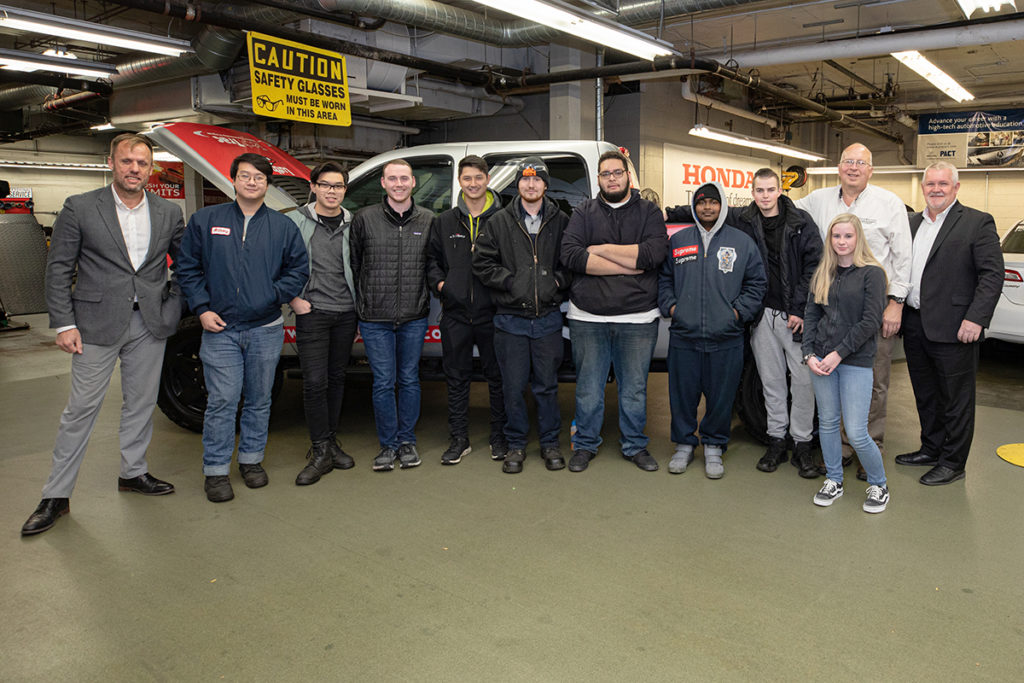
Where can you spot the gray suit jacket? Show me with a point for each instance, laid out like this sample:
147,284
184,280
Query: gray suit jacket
87,237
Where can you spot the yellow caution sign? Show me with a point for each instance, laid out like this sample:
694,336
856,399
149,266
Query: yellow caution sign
1012,453
298,82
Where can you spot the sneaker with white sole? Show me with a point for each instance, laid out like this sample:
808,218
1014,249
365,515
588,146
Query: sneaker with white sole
681,459
713,468
407,456
458,447
385,460
878,498
830,490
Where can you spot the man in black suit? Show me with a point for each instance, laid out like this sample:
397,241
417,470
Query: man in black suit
956,278
109,297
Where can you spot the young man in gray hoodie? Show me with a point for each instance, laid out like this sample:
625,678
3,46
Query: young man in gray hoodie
325,318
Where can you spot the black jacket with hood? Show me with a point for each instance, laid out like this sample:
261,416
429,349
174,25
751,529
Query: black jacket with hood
526,277
450,260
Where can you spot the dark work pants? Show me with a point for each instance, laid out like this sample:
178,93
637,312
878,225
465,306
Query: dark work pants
535,362
324,342
457,341
943,376
716,374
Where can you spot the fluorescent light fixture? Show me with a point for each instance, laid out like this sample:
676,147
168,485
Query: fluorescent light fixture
934,75
702,131
42,166
17,60
102,126
969,7
75,29
583,25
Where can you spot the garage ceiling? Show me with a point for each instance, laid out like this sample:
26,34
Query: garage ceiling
833,51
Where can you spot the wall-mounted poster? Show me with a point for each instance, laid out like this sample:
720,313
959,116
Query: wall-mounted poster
972,139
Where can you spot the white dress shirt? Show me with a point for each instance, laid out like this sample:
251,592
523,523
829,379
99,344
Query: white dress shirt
923,241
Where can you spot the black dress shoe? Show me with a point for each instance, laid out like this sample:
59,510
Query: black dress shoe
939,475
45,515
644,461
917,458
146,485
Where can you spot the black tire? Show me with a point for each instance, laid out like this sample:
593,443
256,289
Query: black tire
182,395
750,403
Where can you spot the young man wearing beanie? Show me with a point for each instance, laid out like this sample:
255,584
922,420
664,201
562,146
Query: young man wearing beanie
711,285
467,313
517,257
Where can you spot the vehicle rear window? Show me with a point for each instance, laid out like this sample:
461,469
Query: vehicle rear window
569,186
1013,243
433,191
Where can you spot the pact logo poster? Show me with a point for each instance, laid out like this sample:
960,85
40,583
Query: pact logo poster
298,82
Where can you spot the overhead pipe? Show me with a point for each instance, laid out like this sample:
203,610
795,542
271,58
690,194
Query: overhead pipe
506,83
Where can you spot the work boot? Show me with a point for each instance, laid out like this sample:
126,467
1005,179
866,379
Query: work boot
342,460
774,456
804,461
320,461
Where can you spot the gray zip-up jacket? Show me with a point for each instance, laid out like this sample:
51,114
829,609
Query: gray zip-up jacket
305,217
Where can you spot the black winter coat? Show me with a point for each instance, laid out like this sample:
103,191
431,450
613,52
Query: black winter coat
389,262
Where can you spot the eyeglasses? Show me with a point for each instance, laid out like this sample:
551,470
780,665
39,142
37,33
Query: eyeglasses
259,178
854,162
617,173
327,186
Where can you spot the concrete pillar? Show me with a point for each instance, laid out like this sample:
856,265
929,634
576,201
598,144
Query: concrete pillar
571,110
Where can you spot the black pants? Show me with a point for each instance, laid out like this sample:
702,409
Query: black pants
943,376
324,342
457,341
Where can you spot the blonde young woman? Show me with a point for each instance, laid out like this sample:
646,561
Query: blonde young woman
843,316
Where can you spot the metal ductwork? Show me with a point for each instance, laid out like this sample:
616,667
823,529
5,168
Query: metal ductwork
494,30
24,95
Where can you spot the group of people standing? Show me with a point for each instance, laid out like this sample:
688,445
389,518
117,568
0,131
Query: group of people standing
824,316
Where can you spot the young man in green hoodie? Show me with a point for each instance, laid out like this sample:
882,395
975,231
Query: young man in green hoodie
467,313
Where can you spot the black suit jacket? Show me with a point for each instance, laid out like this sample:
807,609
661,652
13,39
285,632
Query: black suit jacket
963,276
87,248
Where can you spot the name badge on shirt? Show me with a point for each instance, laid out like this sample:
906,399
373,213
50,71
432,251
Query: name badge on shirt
726,259
217,230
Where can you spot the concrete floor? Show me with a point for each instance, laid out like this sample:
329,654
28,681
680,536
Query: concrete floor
466,574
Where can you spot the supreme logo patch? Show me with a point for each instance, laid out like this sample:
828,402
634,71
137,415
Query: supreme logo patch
684,251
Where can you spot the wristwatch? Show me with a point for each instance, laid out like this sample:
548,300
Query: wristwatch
808,357
898,299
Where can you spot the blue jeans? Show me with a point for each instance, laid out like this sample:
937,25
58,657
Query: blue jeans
238,364
846,394
394,355
626,347
525,360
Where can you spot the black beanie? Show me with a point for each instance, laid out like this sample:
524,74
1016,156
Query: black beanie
533,166
707,192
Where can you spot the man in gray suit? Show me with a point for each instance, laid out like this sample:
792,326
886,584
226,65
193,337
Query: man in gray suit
122,306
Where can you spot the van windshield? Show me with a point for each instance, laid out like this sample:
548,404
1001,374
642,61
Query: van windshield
569,183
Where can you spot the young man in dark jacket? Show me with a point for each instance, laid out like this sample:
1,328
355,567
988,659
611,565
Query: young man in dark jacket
614,245
389,262
711,285
517,257
467,313
239,263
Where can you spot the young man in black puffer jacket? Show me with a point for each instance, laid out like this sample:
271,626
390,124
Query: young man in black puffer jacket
517,257
467,312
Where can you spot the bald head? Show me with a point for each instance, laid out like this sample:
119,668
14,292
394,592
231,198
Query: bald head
855,170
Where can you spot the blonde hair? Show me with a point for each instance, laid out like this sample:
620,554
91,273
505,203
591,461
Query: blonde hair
651,195
821,282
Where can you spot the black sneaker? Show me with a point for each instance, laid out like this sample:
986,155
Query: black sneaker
408,456
253,475
319,462
499,449
514,461
458,447
218,489
552,457
385,460
580,460
774,456
644,461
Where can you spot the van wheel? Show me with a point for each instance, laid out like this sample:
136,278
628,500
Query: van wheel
182,395
750,403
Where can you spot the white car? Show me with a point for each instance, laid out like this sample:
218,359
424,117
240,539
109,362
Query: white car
1008,319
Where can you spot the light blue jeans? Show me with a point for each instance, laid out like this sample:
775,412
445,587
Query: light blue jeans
846,394
237,364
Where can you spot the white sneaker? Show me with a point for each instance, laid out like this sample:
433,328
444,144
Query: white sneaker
830,490
713,468
681,459
878,498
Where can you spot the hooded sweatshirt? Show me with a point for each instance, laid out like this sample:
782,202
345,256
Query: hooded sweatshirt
330,287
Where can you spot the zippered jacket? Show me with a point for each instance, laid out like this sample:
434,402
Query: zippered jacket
525,278
305,217
638,222
244,282
705,285
389,262
450,259
849,324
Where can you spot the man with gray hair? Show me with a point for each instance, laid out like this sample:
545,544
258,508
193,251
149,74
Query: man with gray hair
884,217
955,281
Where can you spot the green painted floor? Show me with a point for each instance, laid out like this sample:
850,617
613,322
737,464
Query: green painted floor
467,574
